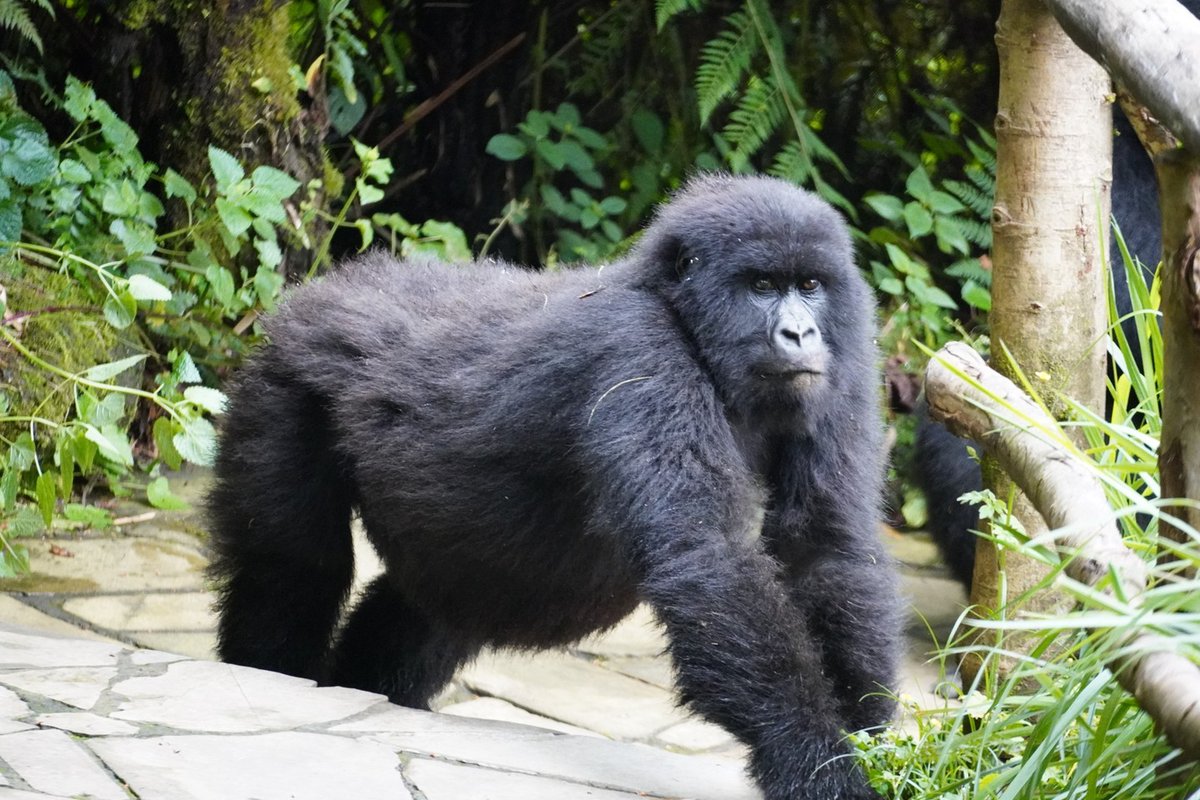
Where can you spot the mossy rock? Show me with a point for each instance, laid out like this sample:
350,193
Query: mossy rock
72,339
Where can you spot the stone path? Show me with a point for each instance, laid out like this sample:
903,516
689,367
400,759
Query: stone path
86,715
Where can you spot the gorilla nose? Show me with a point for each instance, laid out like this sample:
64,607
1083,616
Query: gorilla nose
795,336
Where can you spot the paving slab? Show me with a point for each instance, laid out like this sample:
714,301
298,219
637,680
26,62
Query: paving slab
16,613
138,611
52,762
272,766
76,686
618,766
441,781
201,645
696,735
221,698
85,724
22,650
115,562
565,687
494,708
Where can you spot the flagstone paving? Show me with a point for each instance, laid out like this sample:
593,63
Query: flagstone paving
92,715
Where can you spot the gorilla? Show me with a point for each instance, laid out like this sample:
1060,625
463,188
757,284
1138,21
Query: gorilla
532,454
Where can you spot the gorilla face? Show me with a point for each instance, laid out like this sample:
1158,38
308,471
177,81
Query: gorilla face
769,296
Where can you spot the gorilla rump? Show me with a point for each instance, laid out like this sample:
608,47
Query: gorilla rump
532,454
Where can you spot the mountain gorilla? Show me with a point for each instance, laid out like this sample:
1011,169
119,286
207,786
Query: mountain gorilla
532,454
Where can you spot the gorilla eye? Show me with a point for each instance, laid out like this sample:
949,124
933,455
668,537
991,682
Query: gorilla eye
763,285
684,262
810,285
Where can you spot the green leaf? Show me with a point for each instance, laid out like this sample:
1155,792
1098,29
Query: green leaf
136,237
942,203
950,236
566,115
613,205
197,442
274,183
78,99
977,296
64,456
46,490
158,493
111,442
9,484
25,153
220,281
264,205
226,169
121,310
176,185
367,193
885,205
91,516
506,147
918,184
918,219
267,283
235,218
551,153
116,131
891,286
103,372
648,129
210,400
21,452
146,288
164,430
10,222
611,230
73,171
590,138
367,231
575,157
27,522
85,452
269,254
183,368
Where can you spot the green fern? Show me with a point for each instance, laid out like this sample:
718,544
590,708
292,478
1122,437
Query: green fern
664,10
724,62
971,269
758,114
974,197
14,15
977,232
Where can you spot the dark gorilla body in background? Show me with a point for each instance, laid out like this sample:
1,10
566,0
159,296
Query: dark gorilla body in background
532,454
942,468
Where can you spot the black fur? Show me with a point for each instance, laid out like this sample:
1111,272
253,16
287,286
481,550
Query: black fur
532,454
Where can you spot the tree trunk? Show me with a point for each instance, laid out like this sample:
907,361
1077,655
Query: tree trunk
1054,166
190,73
1179,446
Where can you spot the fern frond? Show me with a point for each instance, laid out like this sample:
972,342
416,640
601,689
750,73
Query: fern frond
14,16
974,197
971,269
758,114
977,232
724,62
664,10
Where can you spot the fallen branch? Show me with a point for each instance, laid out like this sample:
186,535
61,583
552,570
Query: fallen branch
977,403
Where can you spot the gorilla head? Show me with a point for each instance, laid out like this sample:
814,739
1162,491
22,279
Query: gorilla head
762,278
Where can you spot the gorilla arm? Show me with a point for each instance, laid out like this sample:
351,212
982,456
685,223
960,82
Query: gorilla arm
679,495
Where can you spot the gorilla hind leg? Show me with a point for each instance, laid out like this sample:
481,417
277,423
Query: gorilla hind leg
388,646
283,557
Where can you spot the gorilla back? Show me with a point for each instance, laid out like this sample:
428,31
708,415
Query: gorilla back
532,454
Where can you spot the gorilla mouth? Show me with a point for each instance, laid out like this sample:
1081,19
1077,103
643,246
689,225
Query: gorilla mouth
797,378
